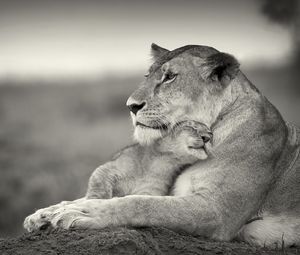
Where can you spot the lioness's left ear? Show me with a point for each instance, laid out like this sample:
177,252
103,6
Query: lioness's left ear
219,67
157,51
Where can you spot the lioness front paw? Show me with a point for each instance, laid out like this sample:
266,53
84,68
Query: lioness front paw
89,213
42,218
76,219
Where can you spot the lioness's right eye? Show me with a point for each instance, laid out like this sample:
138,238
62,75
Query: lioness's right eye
169,77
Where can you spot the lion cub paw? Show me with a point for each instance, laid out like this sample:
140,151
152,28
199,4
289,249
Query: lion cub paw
194,135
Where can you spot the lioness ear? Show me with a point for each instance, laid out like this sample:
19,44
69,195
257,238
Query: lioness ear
157,51
219,67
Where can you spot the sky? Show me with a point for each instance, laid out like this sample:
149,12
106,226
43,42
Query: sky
89,37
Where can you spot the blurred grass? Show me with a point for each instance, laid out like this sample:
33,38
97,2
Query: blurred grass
52,136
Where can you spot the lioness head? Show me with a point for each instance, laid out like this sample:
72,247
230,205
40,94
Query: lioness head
188,83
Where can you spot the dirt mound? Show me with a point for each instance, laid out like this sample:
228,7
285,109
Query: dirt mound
123,241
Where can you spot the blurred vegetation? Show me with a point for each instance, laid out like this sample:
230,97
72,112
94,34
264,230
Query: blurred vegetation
53,135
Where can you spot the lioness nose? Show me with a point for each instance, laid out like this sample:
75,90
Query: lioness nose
134,108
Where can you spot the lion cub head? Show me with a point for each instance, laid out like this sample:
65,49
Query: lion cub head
188,83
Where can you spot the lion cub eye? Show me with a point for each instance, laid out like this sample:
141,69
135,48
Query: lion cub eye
169,77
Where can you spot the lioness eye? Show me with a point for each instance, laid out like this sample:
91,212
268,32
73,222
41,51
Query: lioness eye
169,77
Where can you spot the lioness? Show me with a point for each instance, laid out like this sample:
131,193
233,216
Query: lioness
249,189
151,170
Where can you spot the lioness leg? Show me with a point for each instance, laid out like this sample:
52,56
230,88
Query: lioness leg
139,211
272,231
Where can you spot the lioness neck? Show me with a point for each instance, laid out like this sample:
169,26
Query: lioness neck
249,112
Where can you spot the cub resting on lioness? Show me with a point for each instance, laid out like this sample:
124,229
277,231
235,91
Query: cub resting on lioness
151,170
249,189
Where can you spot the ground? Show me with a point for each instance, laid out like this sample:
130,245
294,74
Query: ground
125,241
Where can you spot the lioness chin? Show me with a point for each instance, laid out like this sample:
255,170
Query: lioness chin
249,189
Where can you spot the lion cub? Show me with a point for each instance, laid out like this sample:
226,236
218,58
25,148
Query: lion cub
151,170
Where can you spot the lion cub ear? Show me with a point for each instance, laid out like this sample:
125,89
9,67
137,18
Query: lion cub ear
157,51
220,67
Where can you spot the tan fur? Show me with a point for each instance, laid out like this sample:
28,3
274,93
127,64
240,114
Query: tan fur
248,189
151,170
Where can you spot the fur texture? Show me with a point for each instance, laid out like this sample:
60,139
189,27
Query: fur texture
253,173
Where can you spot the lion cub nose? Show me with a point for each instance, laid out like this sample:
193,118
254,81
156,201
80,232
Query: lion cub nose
134,108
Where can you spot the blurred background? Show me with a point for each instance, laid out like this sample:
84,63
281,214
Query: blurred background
67,68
